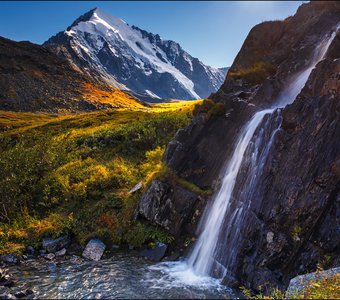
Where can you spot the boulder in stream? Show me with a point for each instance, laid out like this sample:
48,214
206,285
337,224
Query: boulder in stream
50,256
10,259
94,250
53,245
156,253
61,252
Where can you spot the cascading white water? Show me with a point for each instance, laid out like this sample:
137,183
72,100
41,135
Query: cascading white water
203,255
200,264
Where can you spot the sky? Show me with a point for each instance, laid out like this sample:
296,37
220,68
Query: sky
212,31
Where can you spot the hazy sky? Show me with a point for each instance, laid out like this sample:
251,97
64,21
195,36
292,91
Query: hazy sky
213,31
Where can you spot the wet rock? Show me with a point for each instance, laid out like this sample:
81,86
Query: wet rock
10,259
52,266
94,250
76,259
5,279
7,296
50,256
53,245
24,257
230,281
61,252
20,295
30,250
28,294
172,257
115,247
156,253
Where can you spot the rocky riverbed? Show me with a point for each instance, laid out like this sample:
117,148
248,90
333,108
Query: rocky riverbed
121,274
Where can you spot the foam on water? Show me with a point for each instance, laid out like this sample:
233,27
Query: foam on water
180,274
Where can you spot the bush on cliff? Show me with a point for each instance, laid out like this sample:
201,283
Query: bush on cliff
255,74
210,109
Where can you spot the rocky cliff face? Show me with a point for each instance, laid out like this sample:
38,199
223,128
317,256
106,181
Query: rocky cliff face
291,221
32,78
106,48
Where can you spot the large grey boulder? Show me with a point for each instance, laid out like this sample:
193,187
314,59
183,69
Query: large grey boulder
299,283
53,245
94,250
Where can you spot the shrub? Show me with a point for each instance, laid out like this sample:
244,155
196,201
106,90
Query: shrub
217,110
210,108
168,175
326,288
203,107
255,74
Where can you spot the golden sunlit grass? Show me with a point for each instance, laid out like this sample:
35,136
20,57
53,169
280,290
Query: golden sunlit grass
19,122
73,172
114,97
323,288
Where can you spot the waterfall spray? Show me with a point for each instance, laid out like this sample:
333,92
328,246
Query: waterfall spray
203,256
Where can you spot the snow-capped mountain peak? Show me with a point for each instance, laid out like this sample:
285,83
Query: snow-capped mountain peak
137,59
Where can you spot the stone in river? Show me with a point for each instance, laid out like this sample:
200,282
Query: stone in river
156,253
94,250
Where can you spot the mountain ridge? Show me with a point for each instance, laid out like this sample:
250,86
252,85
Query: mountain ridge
107,48
32,78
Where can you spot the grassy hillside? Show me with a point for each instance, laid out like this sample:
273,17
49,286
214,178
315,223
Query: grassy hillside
73,173
34,79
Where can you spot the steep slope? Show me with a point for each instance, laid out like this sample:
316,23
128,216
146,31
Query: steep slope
32,78
289,220
108,49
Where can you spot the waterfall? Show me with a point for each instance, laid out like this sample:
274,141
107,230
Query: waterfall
203,258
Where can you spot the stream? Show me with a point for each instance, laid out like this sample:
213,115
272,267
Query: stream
124,275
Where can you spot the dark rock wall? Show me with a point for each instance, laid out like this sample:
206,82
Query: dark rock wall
292,216
292,221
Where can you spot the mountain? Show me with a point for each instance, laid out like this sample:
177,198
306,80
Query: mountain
106,48
32,78
282,211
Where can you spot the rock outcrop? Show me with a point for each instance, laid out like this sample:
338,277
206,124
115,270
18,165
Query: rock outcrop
170,208
291,222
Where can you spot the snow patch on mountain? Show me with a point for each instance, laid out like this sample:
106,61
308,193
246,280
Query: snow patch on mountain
141,61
